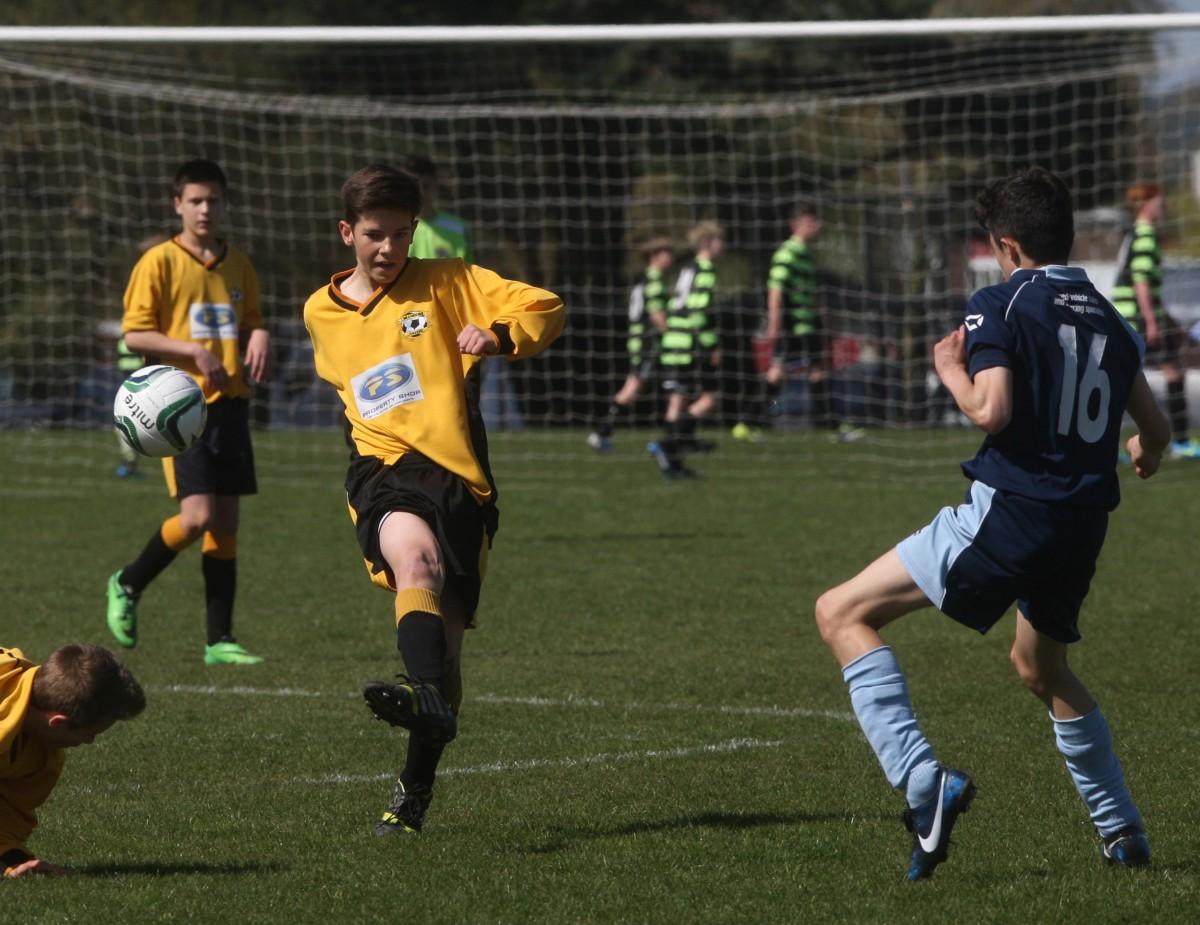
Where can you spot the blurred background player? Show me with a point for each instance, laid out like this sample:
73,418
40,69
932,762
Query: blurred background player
1137,295
193,302
690,354
797,339
647,322
443,234
400,339
77,694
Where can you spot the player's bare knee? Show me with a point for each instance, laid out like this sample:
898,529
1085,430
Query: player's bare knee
830,616
1037,677
419,569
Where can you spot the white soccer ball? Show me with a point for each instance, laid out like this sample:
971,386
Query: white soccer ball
159,411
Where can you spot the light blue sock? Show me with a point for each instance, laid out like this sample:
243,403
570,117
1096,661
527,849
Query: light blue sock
1086,744
879,695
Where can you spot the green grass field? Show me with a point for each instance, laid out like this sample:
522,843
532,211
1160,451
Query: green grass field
652,731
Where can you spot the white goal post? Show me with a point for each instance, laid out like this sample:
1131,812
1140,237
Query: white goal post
563,148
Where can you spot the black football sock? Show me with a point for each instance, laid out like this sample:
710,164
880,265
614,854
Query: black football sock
421,639
1177,410
604,426
220,587
155,556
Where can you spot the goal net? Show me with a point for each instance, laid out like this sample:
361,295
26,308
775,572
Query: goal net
562,152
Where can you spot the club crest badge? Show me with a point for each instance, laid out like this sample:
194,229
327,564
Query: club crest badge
414,324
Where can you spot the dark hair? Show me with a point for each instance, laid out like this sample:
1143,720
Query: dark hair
88,684
380,187
1033,208
420,166
199,170
802,210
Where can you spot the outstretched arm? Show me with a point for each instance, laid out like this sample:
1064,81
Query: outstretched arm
986,399
1154,432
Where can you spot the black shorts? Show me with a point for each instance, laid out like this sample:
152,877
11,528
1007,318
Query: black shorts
800,351
694,379
416,485
1171,338
222,461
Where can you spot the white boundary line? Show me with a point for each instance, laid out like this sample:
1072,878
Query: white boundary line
681,707
531,764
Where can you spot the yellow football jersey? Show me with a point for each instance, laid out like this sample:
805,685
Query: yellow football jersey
395,362
29,769
171,291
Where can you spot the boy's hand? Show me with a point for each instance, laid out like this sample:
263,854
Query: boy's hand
38,866
950,353
1144,464
258,355
210,368
477,342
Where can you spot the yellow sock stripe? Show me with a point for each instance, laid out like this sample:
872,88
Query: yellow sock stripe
174,535
422,599
220,547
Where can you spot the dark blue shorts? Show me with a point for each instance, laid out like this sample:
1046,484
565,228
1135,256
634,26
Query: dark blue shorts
974,560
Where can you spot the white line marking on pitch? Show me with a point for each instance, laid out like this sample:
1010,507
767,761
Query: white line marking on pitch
497,767
247,691
570,701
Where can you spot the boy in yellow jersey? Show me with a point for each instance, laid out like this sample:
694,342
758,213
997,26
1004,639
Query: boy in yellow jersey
193,302
401,339
78,694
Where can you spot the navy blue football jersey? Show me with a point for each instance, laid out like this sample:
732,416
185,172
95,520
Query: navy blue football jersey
1074,361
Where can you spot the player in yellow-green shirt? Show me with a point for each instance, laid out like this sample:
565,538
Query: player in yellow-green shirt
401,338
193,302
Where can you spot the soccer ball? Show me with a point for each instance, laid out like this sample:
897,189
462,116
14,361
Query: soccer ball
159,411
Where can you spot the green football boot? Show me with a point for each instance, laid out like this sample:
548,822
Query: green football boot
122,611
228,652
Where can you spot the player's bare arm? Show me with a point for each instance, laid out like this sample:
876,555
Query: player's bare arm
477,342
1154,432
38,866
258,353
168,348
986,399
774,314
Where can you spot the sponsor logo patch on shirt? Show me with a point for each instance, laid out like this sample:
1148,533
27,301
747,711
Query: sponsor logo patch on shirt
386,386
973,322
212,321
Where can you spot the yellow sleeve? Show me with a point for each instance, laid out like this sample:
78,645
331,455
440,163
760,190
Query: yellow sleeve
145,293
534,317
310,324
252,318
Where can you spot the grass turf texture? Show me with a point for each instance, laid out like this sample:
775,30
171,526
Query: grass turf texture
652,731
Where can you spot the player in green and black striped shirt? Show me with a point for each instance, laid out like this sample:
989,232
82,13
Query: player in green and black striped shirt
647,322
690,354
1137,295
